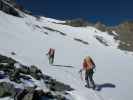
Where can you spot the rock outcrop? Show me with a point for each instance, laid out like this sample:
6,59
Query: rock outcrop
125,32
18,73
78,23
11,7
8,6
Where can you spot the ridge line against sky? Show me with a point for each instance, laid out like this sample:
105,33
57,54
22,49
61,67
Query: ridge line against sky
110,12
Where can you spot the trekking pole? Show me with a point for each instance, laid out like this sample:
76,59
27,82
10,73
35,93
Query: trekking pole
81,77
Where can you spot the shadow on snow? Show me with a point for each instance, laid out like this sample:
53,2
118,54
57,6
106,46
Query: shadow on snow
99,87
63,66
104,85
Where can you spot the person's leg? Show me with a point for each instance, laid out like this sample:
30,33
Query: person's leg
52,59
91,80
86,78
49,59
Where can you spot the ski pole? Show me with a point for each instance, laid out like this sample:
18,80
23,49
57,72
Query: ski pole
81,74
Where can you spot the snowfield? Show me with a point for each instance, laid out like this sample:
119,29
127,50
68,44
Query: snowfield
30,38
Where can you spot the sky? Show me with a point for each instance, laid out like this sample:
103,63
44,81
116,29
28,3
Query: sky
110,12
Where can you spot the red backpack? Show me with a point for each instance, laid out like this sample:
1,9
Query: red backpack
51,51
89,65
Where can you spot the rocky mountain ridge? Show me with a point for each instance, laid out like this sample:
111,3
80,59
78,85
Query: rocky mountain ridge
124,31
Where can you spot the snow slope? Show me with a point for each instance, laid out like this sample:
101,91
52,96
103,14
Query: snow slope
30,39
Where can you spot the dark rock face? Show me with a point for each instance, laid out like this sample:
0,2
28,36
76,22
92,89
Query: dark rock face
81,41
35,72
8,6
11,7
78,23
101,40
50,29
8,66
54,85
14,71
4,59
125,32
13,2
32,94
7,89
29,94
100,26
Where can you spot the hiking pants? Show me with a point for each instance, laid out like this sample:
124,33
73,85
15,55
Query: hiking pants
89,78
51,59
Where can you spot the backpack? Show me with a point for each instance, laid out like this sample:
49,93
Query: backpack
51,52
88,63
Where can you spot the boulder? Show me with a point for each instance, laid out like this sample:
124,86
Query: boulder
29,94
8,6
7,89
24,69
4,59
35,72
20,94
15,76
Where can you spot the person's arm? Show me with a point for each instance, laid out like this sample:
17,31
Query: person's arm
48,52
81,70
92,62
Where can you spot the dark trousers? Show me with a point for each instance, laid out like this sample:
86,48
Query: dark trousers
51,59
89,78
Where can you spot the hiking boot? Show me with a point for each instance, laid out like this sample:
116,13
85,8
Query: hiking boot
87,86
94,87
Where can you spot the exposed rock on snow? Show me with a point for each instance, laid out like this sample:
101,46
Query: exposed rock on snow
18,73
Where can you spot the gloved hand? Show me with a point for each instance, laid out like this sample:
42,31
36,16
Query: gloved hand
80,71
